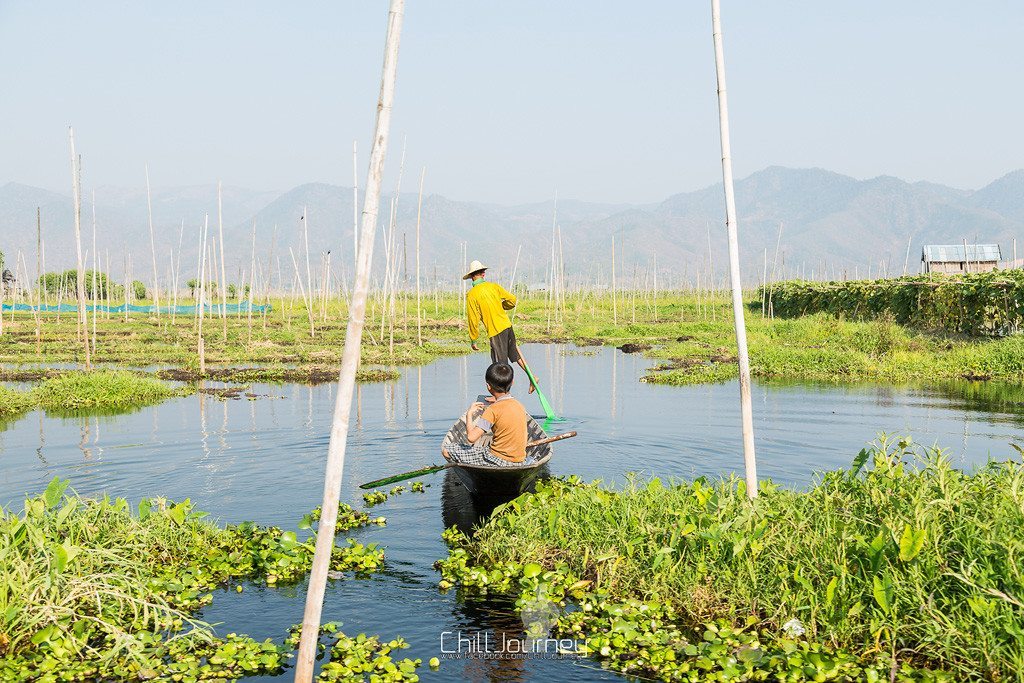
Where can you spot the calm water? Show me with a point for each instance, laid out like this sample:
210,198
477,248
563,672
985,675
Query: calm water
263,460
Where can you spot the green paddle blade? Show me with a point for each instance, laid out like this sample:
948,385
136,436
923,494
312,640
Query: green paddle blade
402,477
540,395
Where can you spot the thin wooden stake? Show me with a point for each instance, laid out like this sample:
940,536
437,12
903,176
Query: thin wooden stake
95,256
152,246
419,215
350,357
223,271
39,278
200,344
749,459
76,185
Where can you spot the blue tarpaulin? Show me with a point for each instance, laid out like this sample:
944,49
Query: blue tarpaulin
243,307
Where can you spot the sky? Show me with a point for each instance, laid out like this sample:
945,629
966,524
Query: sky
509,102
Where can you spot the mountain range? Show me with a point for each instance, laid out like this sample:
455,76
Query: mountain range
830,223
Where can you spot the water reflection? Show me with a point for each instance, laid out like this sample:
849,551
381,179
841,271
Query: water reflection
264,460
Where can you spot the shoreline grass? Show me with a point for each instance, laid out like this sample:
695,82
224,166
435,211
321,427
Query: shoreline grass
906,561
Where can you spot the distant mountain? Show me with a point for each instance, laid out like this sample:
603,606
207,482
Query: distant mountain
830,223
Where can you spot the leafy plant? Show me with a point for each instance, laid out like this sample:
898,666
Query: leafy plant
903,558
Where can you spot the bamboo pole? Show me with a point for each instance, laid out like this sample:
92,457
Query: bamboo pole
775,263
355,206
76,186
201,346
350,357
764,284
152,245
252,284
614,300
39,277
223,271
309,275
749,459
419,215
95,257
177,271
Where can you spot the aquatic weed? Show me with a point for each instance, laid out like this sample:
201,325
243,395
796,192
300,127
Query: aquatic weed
902,557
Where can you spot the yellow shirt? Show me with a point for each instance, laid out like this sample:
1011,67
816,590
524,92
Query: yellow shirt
484,303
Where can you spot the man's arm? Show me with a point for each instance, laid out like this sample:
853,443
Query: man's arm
473,320
507,296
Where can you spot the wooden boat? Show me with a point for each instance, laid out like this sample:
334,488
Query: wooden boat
485,481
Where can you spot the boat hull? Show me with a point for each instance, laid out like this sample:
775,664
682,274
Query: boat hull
487,482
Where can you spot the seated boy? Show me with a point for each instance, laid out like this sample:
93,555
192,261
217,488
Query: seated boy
504,419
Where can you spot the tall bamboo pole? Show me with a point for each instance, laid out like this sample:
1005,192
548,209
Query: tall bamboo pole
223,270
309,276
39,276
201,345
350,356
76,186
419,215
152,246
615,301
95,261
355,206
749,459
252,284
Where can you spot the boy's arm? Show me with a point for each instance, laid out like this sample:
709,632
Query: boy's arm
475,428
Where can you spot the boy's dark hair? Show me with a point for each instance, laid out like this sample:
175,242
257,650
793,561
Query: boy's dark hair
499,377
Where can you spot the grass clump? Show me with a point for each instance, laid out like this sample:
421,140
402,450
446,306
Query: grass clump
903,559
92,589
101,389
14,402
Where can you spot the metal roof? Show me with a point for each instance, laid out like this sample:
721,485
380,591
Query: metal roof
934,253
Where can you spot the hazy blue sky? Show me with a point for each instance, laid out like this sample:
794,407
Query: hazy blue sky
509,101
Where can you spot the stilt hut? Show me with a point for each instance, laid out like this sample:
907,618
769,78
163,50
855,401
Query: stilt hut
960,258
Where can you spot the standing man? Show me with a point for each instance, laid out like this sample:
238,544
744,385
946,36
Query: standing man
489,303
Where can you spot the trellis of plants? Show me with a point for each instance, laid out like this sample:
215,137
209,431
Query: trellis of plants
975,304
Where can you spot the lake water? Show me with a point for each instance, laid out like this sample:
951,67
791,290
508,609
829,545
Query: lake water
262,460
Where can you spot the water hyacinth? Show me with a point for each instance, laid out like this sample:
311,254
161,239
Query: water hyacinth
900,564
94,589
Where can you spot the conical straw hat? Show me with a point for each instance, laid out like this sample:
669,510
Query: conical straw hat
474,267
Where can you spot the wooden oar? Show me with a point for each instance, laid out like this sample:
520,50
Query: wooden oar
430,469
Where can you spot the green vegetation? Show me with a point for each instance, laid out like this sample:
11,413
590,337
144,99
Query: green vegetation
900,564
103,389
363,657
690,333
977,304
95,590
66,283
14,402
